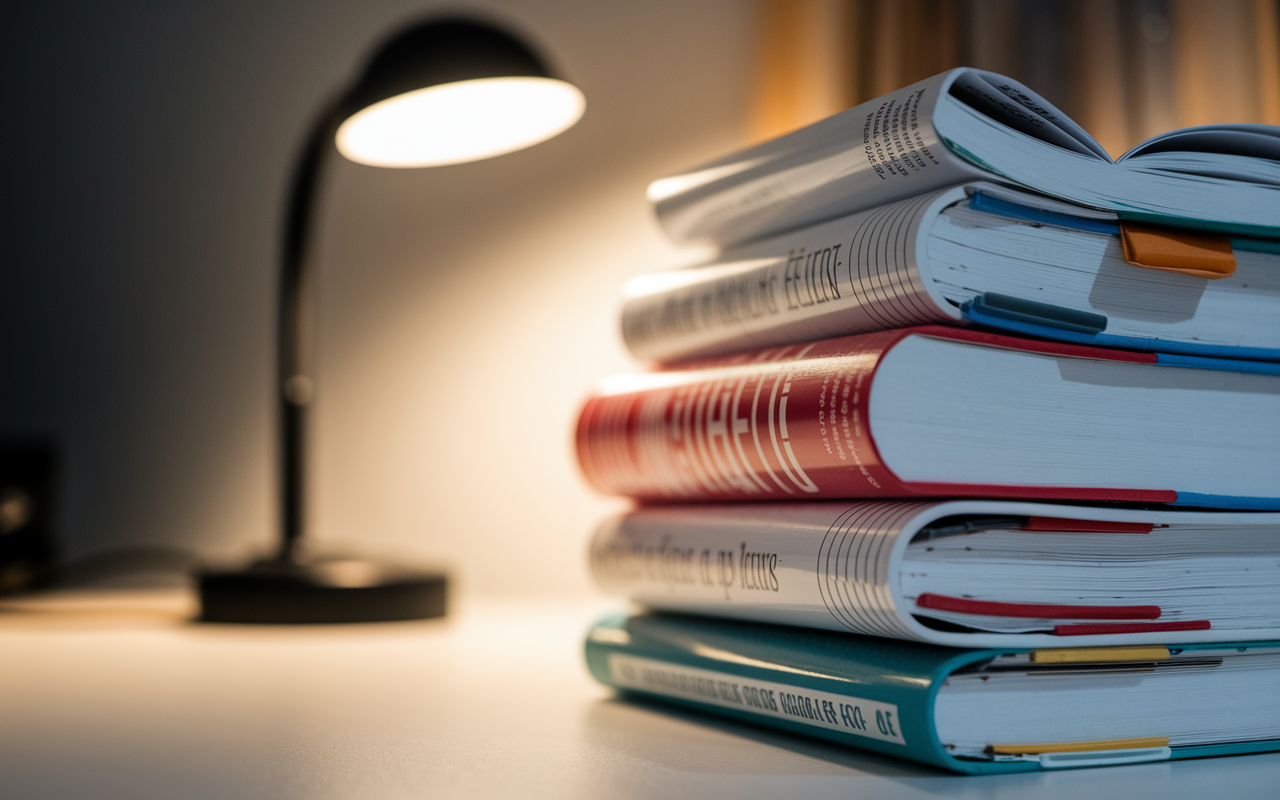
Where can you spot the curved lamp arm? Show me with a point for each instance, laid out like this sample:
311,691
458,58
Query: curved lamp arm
295,385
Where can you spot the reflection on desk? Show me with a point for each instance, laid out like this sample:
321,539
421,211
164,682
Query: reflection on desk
119,696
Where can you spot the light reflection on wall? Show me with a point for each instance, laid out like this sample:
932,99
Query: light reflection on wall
466,310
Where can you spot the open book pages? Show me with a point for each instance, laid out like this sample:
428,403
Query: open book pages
966,124
958,573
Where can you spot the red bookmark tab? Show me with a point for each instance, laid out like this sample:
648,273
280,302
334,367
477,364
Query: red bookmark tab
1063,525
989,608
1131,627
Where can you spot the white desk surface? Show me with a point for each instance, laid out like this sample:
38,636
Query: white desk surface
494,702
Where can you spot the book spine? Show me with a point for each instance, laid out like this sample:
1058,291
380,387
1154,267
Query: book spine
876,153
842,717
888,710
857,274
789,423
785,563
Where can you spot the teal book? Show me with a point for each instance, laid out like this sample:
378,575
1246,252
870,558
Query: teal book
970,711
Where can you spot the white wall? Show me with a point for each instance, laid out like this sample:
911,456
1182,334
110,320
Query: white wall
464,310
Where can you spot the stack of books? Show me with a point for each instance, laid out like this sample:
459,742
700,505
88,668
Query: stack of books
967,447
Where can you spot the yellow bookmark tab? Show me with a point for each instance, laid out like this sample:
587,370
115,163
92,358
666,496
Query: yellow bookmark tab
1077,747
1197,254
1077,655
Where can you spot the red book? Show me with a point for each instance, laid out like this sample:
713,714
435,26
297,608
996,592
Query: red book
934,411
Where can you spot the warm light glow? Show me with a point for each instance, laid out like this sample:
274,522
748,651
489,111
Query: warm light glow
457,122
663,188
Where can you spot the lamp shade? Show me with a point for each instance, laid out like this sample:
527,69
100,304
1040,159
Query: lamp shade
451,91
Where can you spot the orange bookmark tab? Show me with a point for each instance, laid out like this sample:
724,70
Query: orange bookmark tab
1078,747
1198,254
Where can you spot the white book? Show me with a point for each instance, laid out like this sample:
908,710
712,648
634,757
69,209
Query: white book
962,573
979,252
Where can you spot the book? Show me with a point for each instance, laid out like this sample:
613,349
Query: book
933,411
970,711
967,124
960,573
976,253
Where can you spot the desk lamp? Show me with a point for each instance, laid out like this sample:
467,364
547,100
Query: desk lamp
443,91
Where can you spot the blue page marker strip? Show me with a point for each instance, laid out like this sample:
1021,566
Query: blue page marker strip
980,315
1003,208
1224,364
1230,502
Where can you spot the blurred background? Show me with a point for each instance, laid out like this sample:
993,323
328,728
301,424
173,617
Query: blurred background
1126,70
463,310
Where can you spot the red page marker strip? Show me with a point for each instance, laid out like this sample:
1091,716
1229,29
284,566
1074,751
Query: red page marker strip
989,608
1085,525
1132,627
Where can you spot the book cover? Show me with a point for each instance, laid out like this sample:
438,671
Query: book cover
960,573
977,253
883,695
932,411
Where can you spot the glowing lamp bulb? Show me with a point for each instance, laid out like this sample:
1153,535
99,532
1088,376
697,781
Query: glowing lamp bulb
453,123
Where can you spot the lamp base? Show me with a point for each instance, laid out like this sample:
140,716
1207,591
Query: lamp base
320,592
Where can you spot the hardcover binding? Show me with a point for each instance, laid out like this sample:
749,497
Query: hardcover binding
845,671
778,424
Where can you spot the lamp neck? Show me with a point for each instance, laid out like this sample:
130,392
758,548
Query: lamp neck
295,382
